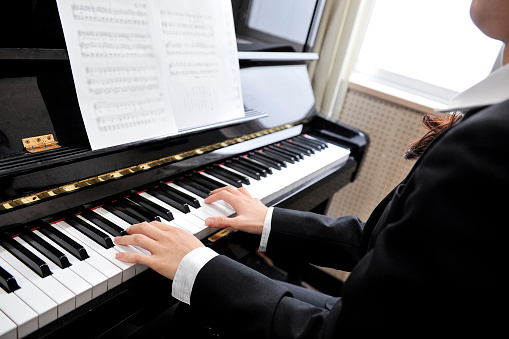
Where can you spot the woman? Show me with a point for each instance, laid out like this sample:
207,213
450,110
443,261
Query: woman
430,259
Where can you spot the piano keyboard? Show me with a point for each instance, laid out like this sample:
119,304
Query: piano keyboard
49,269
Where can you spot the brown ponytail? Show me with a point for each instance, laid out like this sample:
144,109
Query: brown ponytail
435,125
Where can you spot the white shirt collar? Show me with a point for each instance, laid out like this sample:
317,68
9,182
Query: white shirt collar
492,90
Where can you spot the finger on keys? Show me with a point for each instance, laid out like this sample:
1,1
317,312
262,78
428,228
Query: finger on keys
162,226
140,240
135,258
228,188
244,191
250,216
228,194
167,249
145,228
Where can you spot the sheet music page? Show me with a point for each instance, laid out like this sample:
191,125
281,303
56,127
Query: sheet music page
117,70
148,68
201,60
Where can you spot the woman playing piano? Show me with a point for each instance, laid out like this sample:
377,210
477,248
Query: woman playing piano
430,258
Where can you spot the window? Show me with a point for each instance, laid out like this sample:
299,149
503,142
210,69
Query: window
426,47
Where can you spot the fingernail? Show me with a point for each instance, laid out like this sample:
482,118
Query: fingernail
209,222
119,255
116,239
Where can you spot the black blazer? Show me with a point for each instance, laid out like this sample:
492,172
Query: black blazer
432,257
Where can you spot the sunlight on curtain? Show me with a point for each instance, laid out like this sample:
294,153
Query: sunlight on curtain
338,43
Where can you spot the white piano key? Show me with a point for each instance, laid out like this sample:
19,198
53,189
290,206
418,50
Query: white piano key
81,289
120,248
255,187
111,271
96,279
189,221
62,296
214,209
181,224
37,300
118,221
189,217
8,329
112,217
20,313
128,270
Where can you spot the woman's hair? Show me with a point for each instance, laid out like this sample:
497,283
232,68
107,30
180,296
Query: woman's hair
435,124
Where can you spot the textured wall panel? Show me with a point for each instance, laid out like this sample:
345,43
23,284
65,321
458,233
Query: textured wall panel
391,128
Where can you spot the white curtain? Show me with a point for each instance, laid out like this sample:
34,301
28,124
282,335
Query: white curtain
338,42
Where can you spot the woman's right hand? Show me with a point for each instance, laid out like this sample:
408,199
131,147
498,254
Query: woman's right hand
251,212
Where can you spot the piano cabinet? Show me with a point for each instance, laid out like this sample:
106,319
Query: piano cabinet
52,192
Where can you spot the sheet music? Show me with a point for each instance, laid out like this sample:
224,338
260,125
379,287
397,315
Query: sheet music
147,68
201,57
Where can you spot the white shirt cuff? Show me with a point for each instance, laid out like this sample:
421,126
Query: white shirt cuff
266,230
187,271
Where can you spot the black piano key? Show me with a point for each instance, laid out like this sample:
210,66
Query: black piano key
168,199
206,181
283,149
128,216
313,141
281,146
90,231
103,223
279,156
175,193
249,166
264,169
303,150
274,156
260,157
319,141
133,207
308,146
63,240
35,263
243,178
193,187
219,173
243,169
46,249
151,206
7,281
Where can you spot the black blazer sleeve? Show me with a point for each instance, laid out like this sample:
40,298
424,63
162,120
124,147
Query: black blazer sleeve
242,303
317,239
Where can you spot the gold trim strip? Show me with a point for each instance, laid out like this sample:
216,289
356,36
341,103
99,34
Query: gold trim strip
11,204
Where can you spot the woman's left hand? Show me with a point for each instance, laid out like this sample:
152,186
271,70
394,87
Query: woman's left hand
168,245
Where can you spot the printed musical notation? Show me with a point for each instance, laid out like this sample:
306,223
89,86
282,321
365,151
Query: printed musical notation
147,68
95,44
115,15
114,116
122,79
199,45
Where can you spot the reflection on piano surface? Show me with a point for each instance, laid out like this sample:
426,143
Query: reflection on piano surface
60,208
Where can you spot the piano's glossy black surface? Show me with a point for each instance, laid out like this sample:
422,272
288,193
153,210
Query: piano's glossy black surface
37,97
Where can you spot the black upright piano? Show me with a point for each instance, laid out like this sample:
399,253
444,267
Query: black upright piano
61,202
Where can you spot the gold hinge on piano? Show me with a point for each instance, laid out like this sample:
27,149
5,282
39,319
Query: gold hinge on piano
40,143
